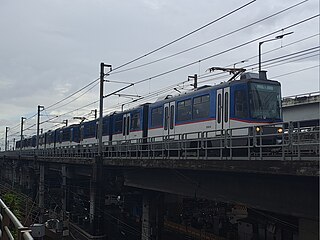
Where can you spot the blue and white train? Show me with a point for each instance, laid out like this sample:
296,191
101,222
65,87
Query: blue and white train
240,103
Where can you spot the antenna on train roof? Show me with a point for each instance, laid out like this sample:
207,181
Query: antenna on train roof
234,71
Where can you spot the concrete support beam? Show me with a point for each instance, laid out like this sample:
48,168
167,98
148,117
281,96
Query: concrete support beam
288,195
308,229
152,216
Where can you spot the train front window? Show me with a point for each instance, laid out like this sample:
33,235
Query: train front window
265,101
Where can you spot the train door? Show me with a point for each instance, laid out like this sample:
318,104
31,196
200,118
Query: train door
126,126
223,109
169,118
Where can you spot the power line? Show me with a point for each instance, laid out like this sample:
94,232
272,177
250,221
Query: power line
272,62
153,51
300,70
73,93
281,62
289,44
212,40
73,100
184,36
211,56
192,63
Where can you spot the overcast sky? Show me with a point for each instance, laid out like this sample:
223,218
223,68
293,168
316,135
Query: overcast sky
52,48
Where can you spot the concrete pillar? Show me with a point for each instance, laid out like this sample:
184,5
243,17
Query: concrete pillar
308,229
13,174
41,194
64,189
152,216
97,199
92,202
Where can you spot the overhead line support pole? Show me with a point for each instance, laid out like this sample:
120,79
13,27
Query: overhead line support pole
21,133
6,139
102,74
38,125
269,40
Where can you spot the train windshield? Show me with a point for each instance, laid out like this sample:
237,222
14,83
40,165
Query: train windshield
265,101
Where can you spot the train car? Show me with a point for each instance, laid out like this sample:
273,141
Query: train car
69,137
30,143
236,104
88,133
51,139
42,141
130,125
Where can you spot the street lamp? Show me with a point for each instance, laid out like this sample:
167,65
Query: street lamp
269,40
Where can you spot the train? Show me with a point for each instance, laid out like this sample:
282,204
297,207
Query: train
238,104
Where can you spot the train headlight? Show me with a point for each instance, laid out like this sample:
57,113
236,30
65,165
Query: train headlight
280,130
258,129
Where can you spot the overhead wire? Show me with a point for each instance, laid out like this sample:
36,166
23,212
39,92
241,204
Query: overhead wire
297,54
155,50
280,62
184,36
89,84
212,40
211,56
184,66
73,100
297,71
158,50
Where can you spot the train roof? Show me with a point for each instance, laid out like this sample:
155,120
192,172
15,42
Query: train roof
245,78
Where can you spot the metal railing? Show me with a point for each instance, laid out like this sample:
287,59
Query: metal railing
293,142
10,223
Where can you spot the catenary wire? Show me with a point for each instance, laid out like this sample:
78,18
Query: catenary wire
184,36
211,56
210,41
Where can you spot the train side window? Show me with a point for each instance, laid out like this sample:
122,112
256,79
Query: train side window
171,116
118,128
226,106
81,133
166,112
128,125
105,127
71,135
201,107
96,130
240,104
91,130
219,108
156,117
124,126
135,121
184,110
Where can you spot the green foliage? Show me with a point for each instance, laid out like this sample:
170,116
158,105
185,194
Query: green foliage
13,203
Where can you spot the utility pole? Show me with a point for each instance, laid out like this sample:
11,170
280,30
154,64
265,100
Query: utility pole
96,182
6,140
38,124
102,74
21,133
